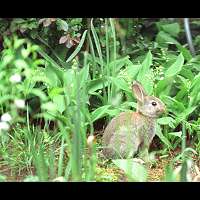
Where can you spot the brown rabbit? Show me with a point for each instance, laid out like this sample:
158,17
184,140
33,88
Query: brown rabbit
131,132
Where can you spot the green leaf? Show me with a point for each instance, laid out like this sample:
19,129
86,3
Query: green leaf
163,86
59,101
185,113
162,137
21,64
187,73
169,175
62,25
2,178
145,75
113,112
84,74
175,67
99,112
121,83
145,66
177,134
97,43
55,91
173,29
132,70
134,170
129,104
186,53
165,120
96,84
52,76
173,105
78,47
119,63
164,39
53,67
49,106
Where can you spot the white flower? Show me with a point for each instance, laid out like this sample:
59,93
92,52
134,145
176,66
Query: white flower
20,103
16,78
90,140
6,117
4,126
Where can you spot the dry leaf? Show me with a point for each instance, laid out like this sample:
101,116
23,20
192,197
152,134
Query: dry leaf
63,39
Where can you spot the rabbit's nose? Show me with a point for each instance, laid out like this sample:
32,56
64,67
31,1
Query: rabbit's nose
163,109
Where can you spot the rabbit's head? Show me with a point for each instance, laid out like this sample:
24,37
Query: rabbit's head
147,105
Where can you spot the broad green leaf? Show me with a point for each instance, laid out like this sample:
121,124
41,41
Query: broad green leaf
169,175
84,74
55,91
162,137
78,48
187,73
21,64
7,59
53,67
194,90
129,104
196,81
186,53
119,63
163,86
164,38
121,83
145,67
177,134
96,84
62,25
174,106
69,77
185,113
134,170
132,70
165,120
183,92
175,67
52,76
2,178
18,43
50,106
59,101
99,112
173,29
113,112
145,75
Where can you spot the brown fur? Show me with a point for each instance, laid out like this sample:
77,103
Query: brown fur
129,131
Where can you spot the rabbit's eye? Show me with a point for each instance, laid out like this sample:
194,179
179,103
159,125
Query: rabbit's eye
154,103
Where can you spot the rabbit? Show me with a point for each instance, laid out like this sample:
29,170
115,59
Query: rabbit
132,132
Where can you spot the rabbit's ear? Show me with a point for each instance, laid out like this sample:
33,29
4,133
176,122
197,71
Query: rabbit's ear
139,92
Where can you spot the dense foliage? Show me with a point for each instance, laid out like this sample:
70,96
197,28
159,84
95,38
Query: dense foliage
62,80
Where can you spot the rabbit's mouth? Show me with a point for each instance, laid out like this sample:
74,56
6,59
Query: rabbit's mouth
160,112
151,115
155,115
